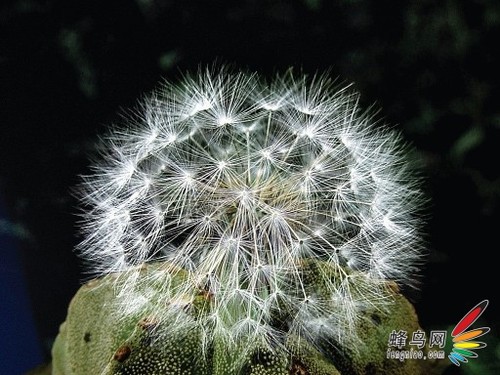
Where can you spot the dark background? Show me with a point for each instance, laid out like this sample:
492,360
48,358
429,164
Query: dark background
67,67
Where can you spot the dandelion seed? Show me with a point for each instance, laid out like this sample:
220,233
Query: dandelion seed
280,201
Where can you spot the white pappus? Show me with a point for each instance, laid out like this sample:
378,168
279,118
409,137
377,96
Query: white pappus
250,187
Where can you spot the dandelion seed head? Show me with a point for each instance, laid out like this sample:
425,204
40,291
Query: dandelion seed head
244,184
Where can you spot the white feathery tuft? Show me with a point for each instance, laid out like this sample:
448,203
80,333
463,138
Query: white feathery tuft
243,185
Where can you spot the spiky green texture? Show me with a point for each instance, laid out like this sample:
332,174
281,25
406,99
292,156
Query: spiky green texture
97,339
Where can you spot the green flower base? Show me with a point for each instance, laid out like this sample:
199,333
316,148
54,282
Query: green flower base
96,339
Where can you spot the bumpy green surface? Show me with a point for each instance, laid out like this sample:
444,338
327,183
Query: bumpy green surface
95,339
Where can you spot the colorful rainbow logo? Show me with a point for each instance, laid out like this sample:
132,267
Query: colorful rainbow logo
463,347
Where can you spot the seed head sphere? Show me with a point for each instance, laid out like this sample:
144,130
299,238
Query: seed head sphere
244,184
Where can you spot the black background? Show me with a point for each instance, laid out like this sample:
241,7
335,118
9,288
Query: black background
67,67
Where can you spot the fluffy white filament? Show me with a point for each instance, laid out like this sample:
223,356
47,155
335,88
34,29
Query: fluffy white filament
242,184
